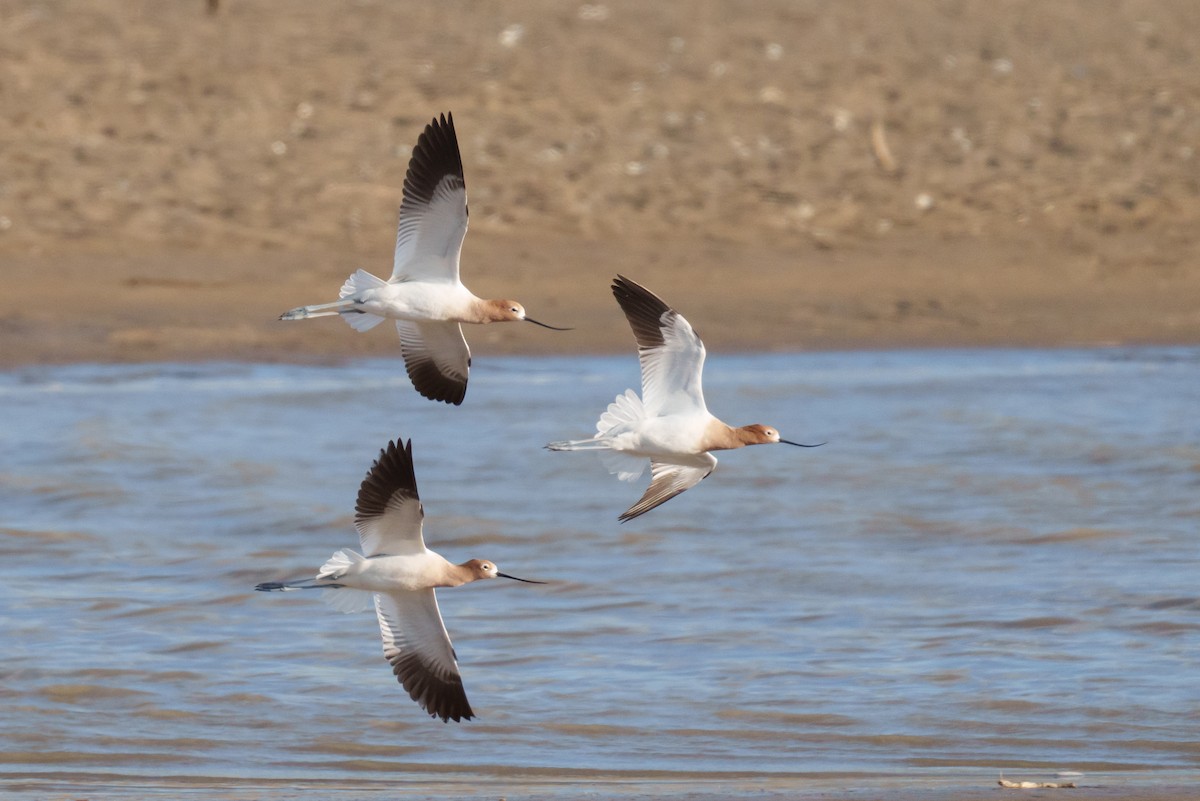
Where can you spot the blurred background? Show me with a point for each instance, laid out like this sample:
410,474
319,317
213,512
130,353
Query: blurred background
939,172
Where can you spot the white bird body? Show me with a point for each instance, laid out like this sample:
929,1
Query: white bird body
424,294
677,438
390,573
670,424
397,575
417,301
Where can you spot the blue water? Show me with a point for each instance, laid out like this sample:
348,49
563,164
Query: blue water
991,565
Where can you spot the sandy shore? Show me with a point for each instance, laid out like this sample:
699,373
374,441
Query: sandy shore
185,305
806,176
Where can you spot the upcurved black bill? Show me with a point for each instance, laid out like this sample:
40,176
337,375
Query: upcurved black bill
514,578
543,325
801,444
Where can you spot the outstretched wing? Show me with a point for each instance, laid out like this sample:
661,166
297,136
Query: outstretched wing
670,352
416,645
388,514
433,213
667,481
437,358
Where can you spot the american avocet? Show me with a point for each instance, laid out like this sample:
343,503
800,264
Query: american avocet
670,424
397,574
424,295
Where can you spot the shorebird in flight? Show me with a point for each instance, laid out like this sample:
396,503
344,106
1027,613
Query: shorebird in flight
424,295
670,424
397,575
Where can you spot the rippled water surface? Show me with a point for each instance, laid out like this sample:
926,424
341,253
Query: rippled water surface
992,564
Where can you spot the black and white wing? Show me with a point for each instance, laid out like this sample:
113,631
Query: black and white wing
667,481
388,514
433,213
669,351
416,645
437,359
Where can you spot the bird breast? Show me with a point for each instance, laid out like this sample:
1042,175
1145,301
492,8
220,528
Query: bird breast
676,436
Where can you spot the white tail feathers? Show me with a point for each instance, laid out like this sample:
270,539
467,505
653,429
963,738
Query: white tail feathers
625,466
337,565
344,599
360,281
348,601
621,414
360,320
619,417
357,283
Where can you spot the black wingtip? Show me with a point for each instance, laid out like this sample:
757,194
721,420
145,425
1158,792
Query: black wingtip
391,472
457,715
440,697
643,309
435,156
629,514
430,383
625,289
451,397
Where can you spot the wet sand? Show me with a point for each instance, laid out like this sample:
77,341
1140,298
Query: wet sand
808,176
187,305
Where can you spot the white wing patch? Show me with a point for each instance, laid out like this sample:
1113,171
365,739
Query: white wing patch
671,372
388,513
398,531
430,234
